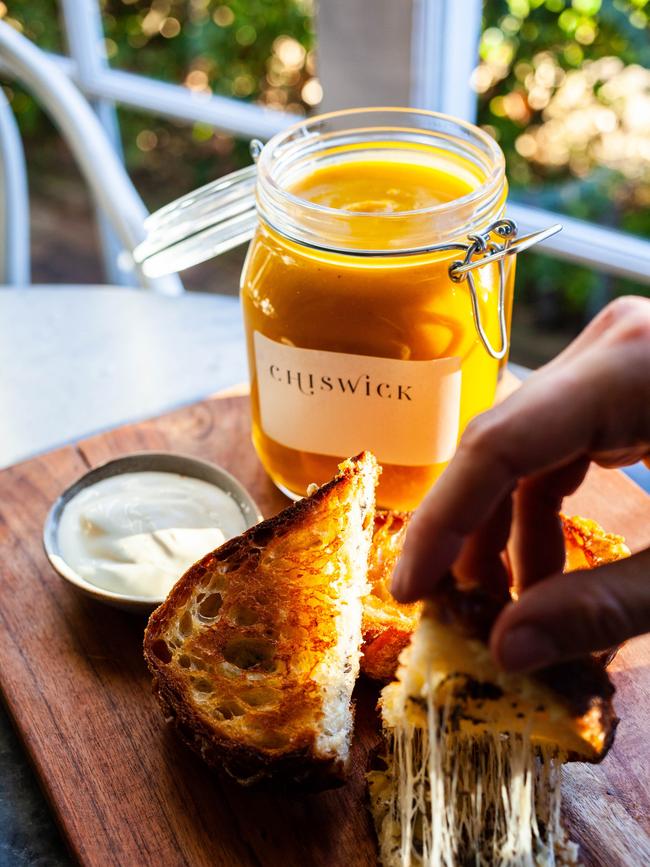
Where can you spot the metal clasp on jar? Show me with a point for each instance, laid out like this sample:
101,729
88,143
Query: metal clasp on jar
482,250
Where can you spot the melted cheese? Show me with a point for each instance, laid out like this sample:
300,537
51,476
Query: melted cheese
453,794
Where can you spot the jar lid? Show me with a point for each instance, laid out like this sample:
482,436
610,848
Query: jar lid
202,224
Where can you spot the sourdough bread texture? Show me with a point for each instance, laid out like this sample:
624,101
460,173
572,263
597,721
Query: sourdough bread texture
473,754
387,624
256,650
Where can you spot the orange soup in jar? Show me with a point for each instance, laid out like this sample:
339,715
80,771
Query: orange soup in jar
357,335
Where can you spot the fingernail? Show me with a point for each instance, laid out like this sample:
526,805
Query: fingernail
525,648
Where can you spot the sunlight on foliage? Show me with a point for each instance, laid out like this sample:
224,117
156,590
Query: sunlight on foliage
564,86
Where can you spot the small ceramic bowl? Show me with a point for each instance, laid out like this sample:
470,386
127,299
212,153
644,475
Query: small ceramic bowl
165,462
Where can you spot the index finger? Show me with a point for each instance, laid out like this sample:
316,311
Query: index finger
549,421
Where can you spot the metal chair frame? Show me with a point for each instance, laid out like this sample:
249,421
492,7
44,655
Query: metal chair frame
111,187
14,202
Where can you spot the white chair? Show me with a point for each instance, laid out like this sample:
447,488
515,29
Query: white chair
14,202
111,187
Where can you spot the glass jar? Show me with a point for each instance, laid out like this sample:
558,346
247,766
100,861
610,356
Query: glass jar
357,336
376,292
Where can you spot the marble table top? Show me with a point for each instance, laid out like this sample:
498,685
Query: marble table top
78,360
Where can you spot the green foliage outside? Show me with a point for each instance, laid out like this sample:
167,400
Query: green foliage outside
564,86
601,168
257,50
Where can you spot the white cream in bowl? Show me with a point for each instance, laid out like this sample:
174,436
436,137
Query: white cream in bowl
135,533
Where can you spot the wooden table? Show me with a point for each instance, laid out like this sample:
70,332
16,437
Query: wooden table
55,346
75,360
126,792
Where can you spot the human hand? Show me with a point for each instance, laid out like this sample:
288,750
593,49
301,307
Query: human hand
513,466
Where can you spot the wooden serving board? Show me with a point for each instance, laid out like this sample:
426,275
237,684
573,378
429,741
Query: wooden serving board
126,793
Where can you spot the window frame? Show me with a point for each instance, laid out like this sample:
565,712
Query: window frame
446,35
443,53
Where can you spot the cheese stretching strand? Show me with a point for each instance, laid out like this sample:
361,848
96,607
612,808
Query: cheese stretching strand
449,799
472,774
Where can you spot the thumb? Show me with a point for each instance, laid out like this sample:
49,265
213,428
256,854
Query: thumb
574,614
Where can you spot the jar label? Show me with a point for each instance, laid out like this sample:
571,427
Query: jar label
335,403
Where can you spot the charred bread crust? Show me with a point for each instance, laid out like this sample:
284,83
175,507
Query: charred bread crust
381,648
389,518
589,546
587,691
250,539
387,624
300,770
296,765
588,539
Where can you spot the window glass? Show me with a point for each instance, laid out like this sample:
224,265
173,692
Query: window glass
256,50
564,86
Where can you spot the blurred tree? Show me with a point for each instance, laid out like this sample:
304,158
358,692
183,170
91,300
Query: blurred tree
256,50
564,87
39,22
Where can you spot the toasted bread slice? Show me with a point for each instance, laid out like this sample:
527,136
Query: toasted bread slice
388,625
472,773
568,705
256,650
588,545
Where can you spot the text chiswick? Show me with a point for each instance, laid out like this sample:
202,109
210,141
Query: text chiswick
364,385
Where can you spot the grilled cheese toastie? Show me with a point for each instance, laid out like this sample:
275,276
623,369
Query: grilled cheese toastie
588,545
473,754
256,650
388,625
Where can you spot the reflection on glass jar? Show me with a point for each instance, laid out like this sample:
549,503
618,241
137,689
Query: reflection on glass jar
357,336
